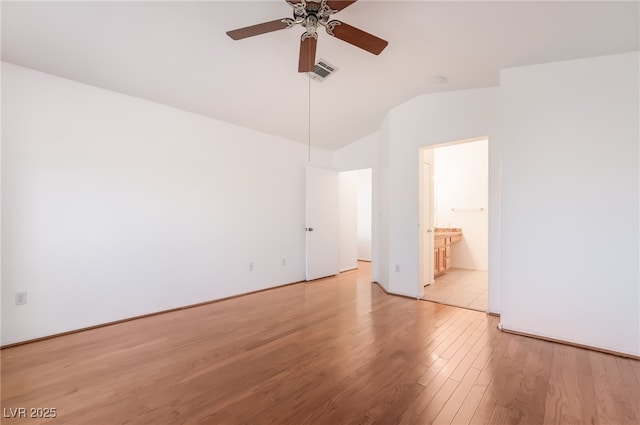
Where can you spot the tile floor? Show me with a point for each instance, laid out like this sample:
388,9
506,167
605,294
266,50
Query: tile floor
460,288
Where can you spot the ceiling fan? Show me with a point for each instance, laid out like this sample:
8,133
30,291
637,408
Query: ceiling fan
310,14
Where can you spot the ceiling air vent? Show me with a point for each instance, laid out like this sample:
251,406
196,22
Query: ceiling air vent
322,70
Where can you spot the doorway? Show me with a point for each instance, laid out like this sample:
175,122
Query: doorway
454,223
355,218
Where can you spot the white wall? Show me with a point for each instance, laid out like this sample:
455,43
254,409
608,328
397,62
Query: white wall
569,133
426,120
361,154
115,207
564,260
392,153
461,200
348,221
108,198
380,267
364,214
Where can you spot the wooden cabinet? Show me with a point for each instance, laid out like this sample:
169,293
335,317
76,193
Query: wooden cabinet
442,249
441,255
442,260
447,255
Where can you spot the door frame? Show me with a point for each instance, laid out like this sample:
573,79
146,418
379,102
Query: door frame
425,221
421,247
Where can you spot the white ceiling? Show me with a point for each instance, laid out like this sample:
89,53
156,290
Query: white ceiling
177,53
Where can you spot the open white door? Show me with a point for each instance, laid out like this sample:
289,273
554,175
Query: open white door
426,225
322,222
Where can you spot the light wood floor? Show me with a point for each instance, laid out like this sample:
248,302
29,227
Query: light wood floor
336,351
460,288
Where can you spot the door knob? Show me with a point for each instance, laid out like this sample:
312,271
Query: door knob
309,229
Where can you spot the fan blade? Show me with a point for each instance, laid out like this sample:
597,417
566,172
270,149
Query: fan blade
357,37
307,54
258,29
340,4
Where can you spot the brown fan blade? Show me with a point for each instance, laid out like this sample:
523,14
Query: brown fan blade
340,4
307,54
258,29
357,37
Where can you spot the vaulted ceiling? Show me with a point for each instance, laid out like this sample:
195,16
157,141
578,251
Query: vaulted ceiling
177,53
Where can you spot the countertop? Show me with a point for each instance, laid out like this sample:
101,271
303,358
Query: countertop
443,232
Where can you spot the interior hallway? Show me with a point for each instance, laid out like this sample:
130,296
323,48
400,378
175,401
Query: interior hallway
460,288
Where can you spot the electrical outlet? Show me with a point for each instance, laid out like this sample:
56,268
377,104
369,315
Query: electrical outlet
397,267
21,298
250,267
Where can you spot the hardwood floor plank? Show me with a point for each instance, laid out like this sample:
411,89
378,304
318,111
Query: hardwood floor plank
538,398
485,406
614,393
631,388
444,340
469,405
513,381
482,341
562,405
375,403
334,351
411,414
453,405
522,404
636,370
494,358
587,400
392,412
499,416
462,338
469,356
440,398
433,371
606,404
495,375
